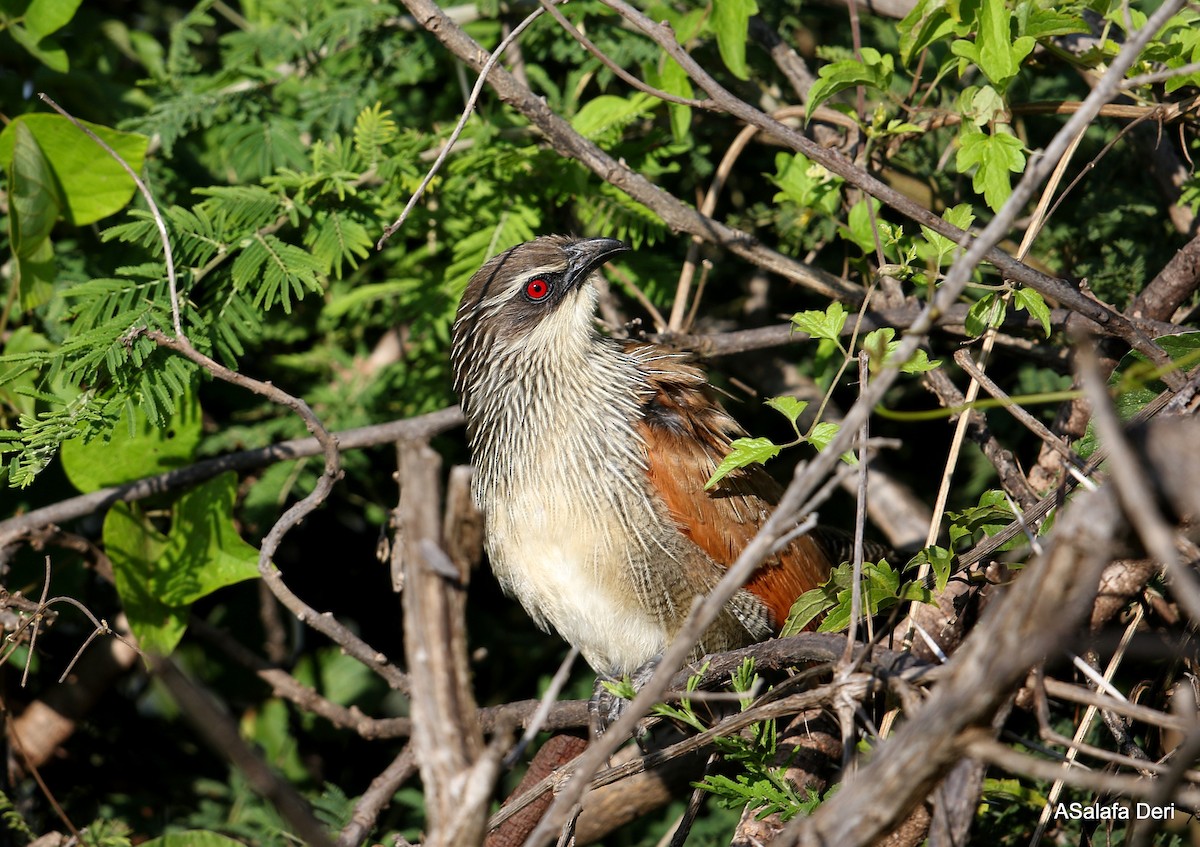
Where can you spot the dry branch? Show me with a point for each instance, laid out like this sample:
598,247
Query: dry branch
1035,617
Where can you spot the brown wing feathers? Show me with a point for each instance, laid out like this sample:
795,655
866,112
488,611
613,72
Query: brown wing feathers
687,434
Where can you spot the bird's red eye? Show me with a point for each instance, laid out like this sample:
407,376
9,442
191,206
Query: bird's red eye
537,289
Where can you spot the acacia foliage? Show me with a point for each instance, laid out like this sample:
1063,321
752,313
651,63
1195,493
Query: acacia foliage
279,137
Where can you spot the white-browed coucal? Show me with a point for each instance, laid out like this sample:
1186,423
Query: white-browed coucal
591,456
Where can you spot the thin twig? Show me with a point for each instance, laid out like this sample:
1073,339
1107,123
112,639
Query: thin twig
1136,491
168,257
460,126
544,705
632,80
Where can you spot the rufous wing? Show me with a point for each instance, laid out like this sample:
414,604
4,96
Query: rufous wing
687,434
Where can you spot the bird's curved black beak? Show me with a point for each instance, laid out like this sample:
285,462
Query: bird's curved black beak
587,254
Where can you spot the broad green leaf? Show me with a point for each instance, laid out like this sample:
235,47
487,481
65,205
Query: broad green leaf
730,23
127,456
993,157
974,523
788,406
159,577
858,224
192,838
874,71
205,551
269,728
807,184
674,80
1136,384
1037,22
943,248
827,324
743,452
135,548
93,185
940,561
46,50
994,50
988,311
881,346
34,205
805,609
32,191
1032,302
823,433
43,17
927,22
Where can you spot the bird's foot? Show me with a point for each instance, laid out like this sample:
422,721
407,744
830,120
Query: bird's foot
612,696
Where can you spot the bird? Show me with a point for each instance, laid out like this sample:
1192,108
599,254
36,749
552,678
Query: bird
591,456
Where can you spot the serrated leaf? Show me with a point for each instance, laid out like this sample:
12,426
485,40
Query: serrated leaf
986,312
788,406
940,561
928,21
858,224
874,71
994,157
743,452
805,609
1032,302
827,324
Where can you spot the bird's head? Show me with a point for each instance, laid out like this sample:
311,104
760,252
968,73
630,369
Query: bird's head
533,298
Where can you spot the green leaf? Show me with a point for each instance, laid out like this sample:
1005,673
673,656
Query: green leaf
927,22
743,452
994,50
191,838
46,50
940,561
159,577
35,203
1032,302
135,548
788,406
827,324
807,184
1135,382
858,224
1037,22
93,185
994,157
731,22
606,113
805,609
136,448
823,433
881,347
974,523
205,551
33,192
944,248
43,17
988,311
674,80
874,71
